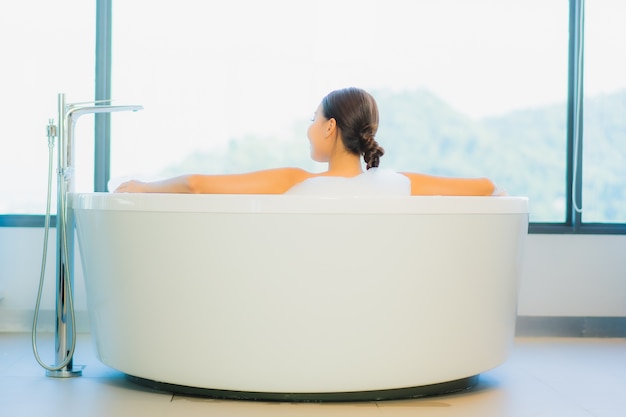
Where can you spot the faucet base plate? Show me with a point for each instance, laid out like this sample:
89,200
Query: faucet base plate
74,371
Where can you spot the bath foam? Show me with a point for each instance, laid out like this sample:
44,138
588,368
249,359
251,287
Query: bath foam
373,182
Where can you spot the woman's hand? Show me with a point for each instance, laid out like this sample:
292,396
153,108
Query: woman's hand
132,186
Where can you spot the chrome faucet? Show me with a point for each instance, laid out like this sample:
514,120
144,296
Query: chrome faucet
65,331
68,116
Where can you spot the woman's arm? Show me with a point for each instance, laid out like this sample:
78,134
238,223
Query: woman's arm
422,184
272,181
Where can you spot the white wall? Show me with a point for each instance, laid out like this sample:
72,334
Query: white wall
21,252
563,275
574,275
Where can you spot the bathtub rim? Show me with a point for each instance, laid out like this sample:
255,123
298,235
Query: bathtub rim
297,204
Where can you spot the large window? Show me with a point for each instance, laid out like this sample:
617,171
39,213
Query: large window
604,131
465,88
47,48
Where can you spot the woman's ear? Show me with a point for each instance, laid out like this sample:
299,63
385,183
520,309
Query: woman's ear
331,126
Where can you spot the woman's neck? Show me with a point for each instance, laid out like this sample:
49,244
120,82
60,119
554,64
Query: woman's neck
345,165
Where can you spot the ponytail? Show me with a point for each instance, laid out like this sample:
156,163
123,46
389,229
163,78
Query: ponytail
370,149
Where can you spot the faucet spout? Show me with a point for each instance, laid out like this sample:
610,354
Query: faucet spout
68,116
74,112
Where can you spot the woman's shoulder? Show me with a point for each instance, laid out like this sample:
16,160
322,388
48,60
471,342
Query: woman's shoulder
297,175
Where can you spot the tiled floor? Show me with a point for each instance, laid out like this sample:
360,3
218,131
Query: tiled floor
543,377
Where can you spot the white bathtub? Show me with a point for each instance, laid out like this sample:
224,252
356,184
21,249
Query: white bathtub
301,298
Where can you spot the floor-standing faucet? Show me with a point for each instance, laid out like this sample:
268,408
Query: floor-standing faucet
65,327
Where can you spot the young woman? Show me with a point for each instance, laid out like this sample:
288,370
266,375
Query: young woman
342,131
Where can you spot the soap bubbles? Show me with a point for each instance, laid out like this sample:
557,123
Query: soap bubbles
373,182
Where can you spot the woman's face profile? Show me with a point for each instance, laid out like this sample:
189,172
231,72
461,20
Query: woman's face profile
317,135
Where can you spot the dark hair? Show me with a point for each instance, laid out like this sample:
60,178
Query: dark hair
356,114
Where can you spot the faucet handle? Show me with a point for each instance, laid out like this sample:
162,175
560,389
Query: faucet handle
51,132
84,103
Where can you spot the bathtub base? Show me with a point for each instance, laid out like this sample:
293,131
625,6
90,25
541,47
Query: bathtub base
379,395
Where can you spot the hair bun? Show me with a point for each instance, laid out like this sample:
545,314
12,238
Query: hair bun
371,150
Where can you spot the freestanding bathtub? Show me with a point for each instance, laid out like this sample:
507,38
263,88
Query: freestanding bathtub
301,298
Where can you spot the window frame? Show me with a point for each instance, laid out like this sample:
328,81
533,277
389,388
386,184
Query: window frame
573,223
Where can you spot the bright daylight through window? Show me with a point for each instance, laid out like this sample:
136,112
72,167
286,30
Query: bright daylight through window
604,131
47,48
464,88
